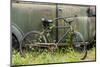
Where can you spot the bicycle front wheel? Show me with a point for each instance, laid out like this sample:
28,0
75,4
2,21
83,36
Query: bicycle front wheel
79,46
30,40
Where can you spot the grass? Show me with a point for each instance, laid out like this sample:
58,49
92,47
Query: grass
60,55
91,55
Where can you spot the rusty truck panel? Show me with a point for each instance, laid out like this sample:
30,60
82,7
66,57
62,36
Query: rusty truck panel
27,16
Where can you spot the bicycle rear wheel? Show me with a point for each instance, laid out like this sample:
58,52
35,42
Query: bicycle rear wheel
79,46
30,40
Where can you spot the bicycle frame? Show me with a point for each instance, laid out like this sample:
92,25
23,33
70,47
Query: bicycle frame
69,29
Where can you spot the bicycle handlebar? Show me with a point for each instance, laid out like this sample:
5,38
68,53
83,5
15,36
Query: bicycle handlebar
61,18
70,19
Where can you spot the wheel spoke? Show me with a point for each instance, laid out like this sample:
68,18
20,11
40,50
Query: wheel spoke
29,41
79,46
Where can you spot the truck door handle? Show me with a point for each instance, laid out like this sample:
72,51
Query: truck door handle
60,9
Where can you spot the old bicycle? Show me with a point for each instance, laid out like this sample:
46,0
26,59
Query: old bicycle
42,39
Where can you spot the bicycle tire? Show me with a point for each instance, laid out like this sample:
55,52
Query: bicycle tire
79,46
29,41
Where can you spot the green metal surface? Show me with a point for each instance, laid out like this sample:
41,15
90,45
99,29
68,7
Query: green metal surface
27,16
82,23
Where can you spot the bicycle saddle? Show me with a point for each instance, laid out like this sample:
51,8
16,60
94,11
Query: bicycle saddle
45,20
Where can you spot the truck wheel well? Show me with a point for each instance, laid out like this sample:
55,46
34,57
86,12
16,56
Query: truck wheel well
15,42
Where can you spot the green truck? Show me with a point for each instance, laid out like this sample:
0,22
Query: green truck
26,16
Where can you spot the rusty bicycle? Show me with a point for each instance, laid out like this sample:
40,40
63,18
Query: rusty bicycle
41,39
